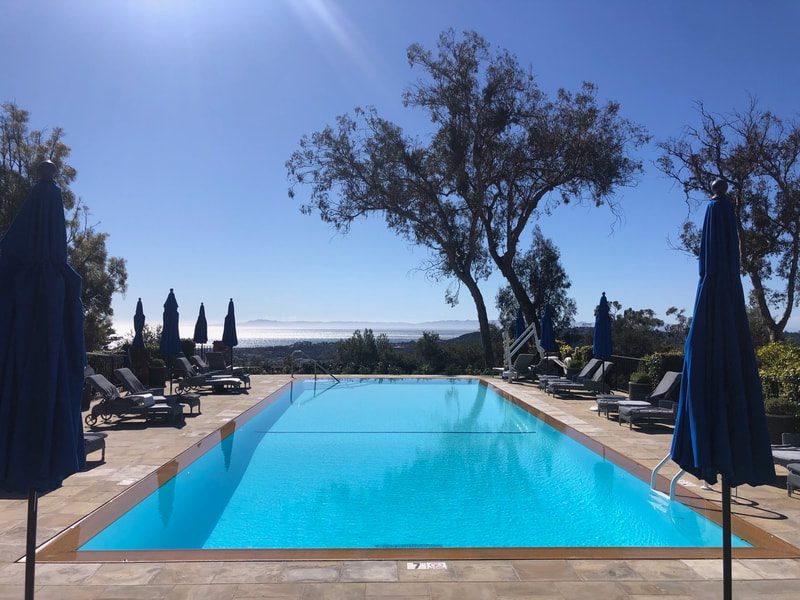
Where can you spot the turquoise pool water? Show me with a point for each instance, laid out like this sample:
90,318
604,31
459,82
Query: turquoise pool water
402,463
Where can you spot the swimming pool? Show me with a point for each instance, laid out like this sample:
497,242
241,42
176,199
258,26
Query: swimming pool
398,464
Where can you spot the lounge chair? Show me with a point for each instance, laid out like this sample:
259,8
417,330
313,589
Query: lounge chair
131,384
788,451
787,454
608,403
131,406
206,368
191,379
793,478
521,369
665,412
94,441
585,373
593,384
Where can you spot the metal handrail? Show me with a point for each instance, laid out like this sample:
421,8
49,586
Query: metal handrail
673,484
519,343
317,364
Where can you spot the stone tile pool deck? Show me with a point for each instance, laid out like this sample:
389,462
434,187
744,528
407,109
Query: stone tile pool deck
134,451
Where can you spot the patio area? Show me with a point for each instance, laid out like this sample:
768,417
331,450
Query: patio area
134,450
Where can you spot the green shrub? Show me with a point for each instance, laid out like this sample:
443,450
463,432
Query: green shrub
779,368
658,363
564,349
780,406
582,354
642,377
157,362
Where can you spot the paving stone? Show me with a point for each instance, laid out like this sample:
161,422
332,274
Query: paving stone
11,592
483,571
247,572
591,590
656,570
397,589
136,592
544,570
222,591
292,574
269,590
194,572
124,574
63,574
604,570
527,589
462,591
65,592
334,591
369,570
712,569
778,568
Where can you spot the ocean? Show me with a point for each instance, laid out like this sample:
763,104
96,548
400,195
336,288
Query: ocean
284,334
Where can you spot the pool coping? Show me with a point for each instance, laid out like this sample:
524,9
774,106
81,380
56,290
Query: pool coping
64,546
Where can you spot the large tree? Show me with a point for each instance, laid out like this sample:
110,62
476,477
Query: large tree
511,150
498,149
757,152
367,165
21,150
546,282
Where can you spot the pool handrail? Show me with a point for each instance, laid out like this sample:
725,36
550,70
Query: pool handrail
317,364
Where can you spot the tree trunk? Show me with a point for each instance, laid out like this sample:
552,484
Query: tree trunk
483,320
775,330
507,269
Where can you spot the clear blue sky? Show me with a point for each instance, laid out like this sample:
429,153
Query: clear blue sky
181,115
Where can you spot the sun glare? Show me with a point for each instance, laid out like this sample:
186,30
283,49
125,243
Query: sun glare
323,18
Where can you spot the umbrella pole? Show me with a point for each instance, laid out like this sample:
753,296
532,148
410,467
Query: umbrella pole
30,546
727,582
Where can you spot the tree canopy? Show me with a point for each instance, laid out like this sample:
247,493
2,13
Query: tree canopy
758,153
509,151
21,150
545,281
498,149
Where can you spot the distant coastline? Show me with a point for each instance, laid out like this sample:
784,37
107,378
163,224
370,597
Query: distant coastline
262,333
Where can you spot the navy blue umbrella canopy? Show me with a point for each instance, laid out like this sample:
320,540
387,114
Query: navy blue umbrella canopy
170,343
721,427
42,353
138,326
548,338
201,327
601,340
229,330
519,325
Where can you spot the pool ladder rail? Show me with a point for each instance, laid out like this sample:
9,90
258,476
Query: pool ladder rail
317,365
673,484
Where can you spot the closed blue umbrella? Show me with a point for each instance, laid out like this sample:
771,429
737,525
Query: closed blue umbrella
138,326
601,340
721,427
42,355
201,327
229,331
170,343
548,338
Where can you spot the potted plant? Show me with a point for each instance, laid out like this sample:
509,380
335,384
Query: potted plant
157,373
639,385
574,368
781,417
